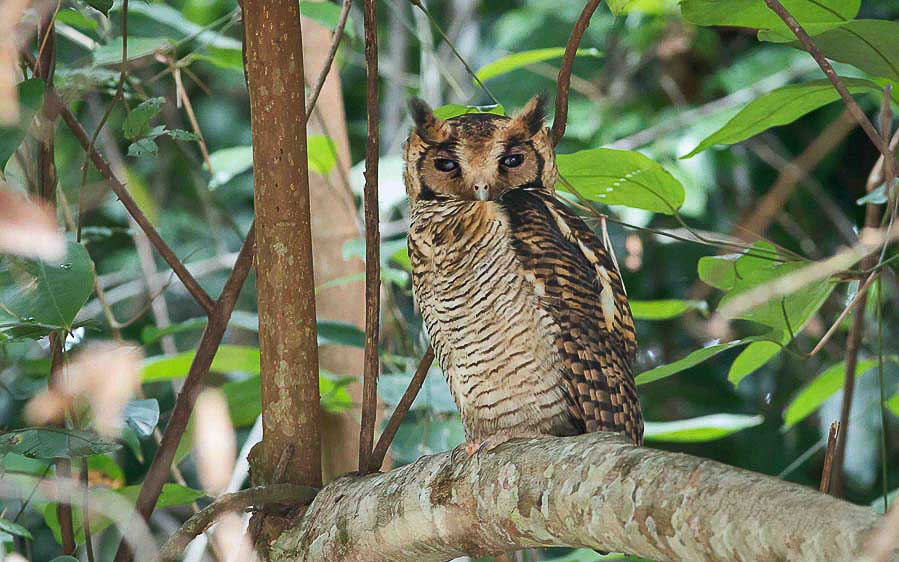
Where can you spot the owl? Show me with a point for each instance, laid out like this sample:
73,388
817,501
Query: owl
524,305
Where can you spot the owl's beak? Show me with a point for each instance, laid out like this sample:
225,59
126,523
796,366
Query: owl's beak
481,192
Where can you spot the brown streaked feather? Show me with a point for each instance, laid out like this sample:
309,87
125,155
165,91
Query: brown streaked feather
581,289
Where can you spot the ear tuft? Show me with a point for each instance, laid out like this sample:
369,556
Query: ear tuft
533,114
426,124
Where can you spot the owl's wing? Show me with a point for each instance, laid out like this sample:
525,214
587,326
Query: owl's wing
579,285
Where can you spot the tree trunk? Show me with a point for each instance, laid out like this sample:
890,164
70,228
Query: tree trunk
285,282
333,224
594,491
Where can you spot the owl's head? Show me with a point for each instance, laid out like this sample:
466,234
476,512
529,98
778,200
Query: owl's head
477,156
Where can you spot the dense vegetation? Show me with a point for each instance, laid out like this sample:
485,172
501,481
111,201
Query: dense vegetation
723,158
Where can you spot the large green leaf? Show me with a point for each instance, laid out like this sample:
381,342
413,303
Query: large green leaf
701,429
621,177
228,359
54,443
755,14
814,394
46,295
718,271
871,45
691,360
137,124
515,61
31,96
244,397
665,309
753,358
779,107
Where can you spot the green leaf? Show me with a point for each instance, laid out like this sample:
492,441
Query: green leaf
54,443
31,97
454,110
8,526
322,153
621,177
141,416
871,45
137,124
893,404
652,7
228,163
151,334
718,271
163,14
327,14
143,147
691,360
822,387
333,392
76,19
751,359
331,332
102,6
755,14
701,429
181,135
515,61
172,495
138,47
230,59
779,107
47,295
665,309
244,397
228,359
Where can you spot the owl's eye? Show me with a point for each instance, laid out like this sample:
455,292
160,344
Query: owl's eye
445,164
512,160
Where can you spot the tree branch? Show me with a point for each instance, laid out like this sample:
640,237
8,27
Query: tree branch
200,295
594,491
399,413
227,503
564,81
157,474
372,242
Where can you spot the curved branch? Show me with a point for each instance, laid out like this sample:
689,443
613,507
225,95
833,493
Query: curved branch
595,491
564,81
227,503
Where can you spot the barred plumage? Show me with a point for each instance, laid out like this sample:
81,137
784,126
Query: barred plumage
522,302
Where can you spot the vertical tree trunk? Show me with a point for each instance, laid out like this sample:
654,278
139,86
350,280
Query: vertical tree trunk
285,282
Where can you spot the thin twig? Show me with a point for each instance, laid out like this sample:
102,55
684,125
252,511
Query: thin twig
828,457
238,501
564,81
200,295
372,242
85,511
329,59
120,88
831,74
399,413
158,472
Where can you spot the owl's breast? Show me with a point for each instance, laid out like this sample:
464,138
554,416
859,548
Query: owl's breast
493,340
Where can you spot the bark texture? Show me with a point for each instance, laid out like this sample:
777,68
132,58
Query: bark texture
285,283
595,491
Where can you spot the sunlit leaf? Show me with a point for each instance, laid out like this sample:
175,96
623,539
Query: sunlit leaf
76,19
691,360
780,107
653,7
752,358
515,61
893,404
755,14
231,59
822,387
228,359
701,429
718,271
454,110
665,309
621,177
322,154
244,397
